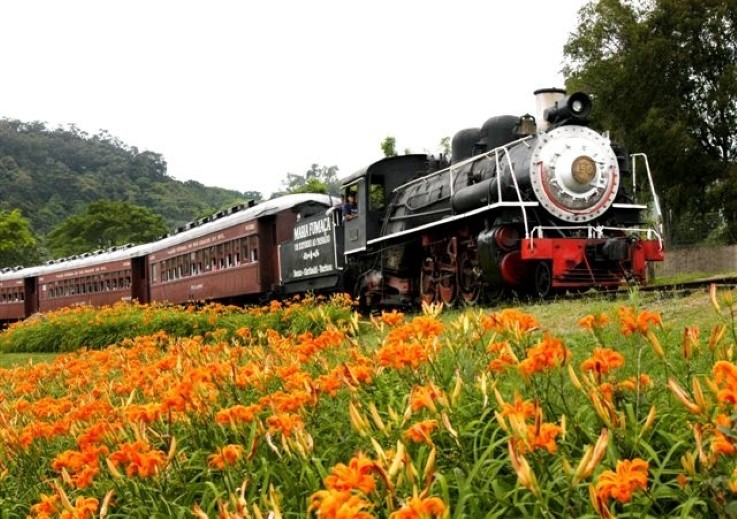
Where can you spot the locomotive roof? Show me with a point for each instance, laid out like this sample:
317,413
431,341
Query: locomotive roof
265,208
354,177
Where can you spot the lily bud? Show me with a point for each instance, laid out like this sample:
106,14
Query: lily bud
66,478
580,473
63,496
397,461
525,476
699,395
596,456
657,348
429,469
648,421
483,390
688,463
454,396
172,450
113,469
380,455
713,298
716,336
574,378
106,503
449,427
376,417
681,395
358,421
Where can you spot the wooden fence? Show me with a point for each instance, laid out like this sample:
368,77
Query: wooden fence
703,259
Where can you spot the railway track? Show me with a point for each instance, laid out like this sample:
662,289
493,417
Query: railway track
663,290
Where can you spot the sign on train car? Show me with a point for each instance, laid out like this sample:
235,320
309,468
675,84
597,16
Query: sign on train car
313,259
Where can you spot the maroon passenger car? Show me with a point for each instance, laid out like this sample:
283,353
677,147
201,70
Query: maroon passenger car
230,257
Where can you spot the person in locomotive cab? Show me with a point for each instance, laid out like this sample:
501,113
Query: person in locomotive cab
349,209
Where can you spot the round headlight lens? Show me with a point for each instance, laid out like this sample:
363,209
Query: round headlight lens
583,169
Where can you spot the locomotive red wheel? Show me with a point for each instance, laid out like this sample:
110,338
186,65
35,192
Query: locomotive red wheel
470,280
448,287
448,282
428,281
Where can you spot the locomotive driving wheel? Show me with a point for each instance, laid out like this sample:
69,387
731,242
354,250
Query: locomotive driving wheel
448,287
448,282
470,277
543,280
428,281
494,293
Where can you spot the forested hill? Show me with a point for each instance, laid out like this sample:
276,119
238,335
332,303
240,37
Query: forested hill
52,174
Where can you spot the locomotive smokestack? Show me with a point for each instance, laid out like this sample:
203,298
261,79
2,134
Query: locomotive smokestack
546,98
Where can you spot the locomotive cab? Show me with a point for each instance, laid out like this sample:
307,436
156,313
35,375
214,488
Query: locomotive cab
373,188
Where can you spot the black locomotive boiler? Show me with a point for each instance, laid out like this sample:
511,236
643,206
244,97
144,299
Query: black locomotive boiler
537,205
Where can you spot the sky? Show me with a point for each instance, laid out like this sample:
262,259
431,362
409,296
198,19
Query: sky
236,94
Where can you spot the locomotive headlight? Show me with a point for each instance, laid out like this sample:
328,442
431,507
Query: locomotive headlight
577,106
583,169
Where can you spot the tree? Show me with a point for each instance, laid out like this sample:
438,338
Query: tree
445,147
318,179
256,196
103,224
18,246
389,146
664,77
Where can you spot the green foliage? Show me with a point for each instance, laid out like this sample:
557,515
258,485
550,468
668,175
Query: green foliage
95,328
256,196
318,179
18,246
664,78
103,224
389,146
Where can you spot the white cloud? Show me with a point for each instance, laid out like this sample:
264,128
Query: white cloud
237,94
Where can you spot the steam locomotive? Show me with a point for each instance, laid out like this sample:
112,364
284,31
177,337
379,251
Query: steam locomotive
535,205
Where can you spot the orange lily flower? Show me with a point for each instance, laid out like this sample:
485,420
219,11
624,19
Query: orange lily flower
227,456
630,476
339,504
603,361
420,508
420,432
357,475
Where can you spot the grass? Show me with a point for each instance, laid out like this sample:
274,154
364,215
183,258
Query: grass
690,277
561,316
9,360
